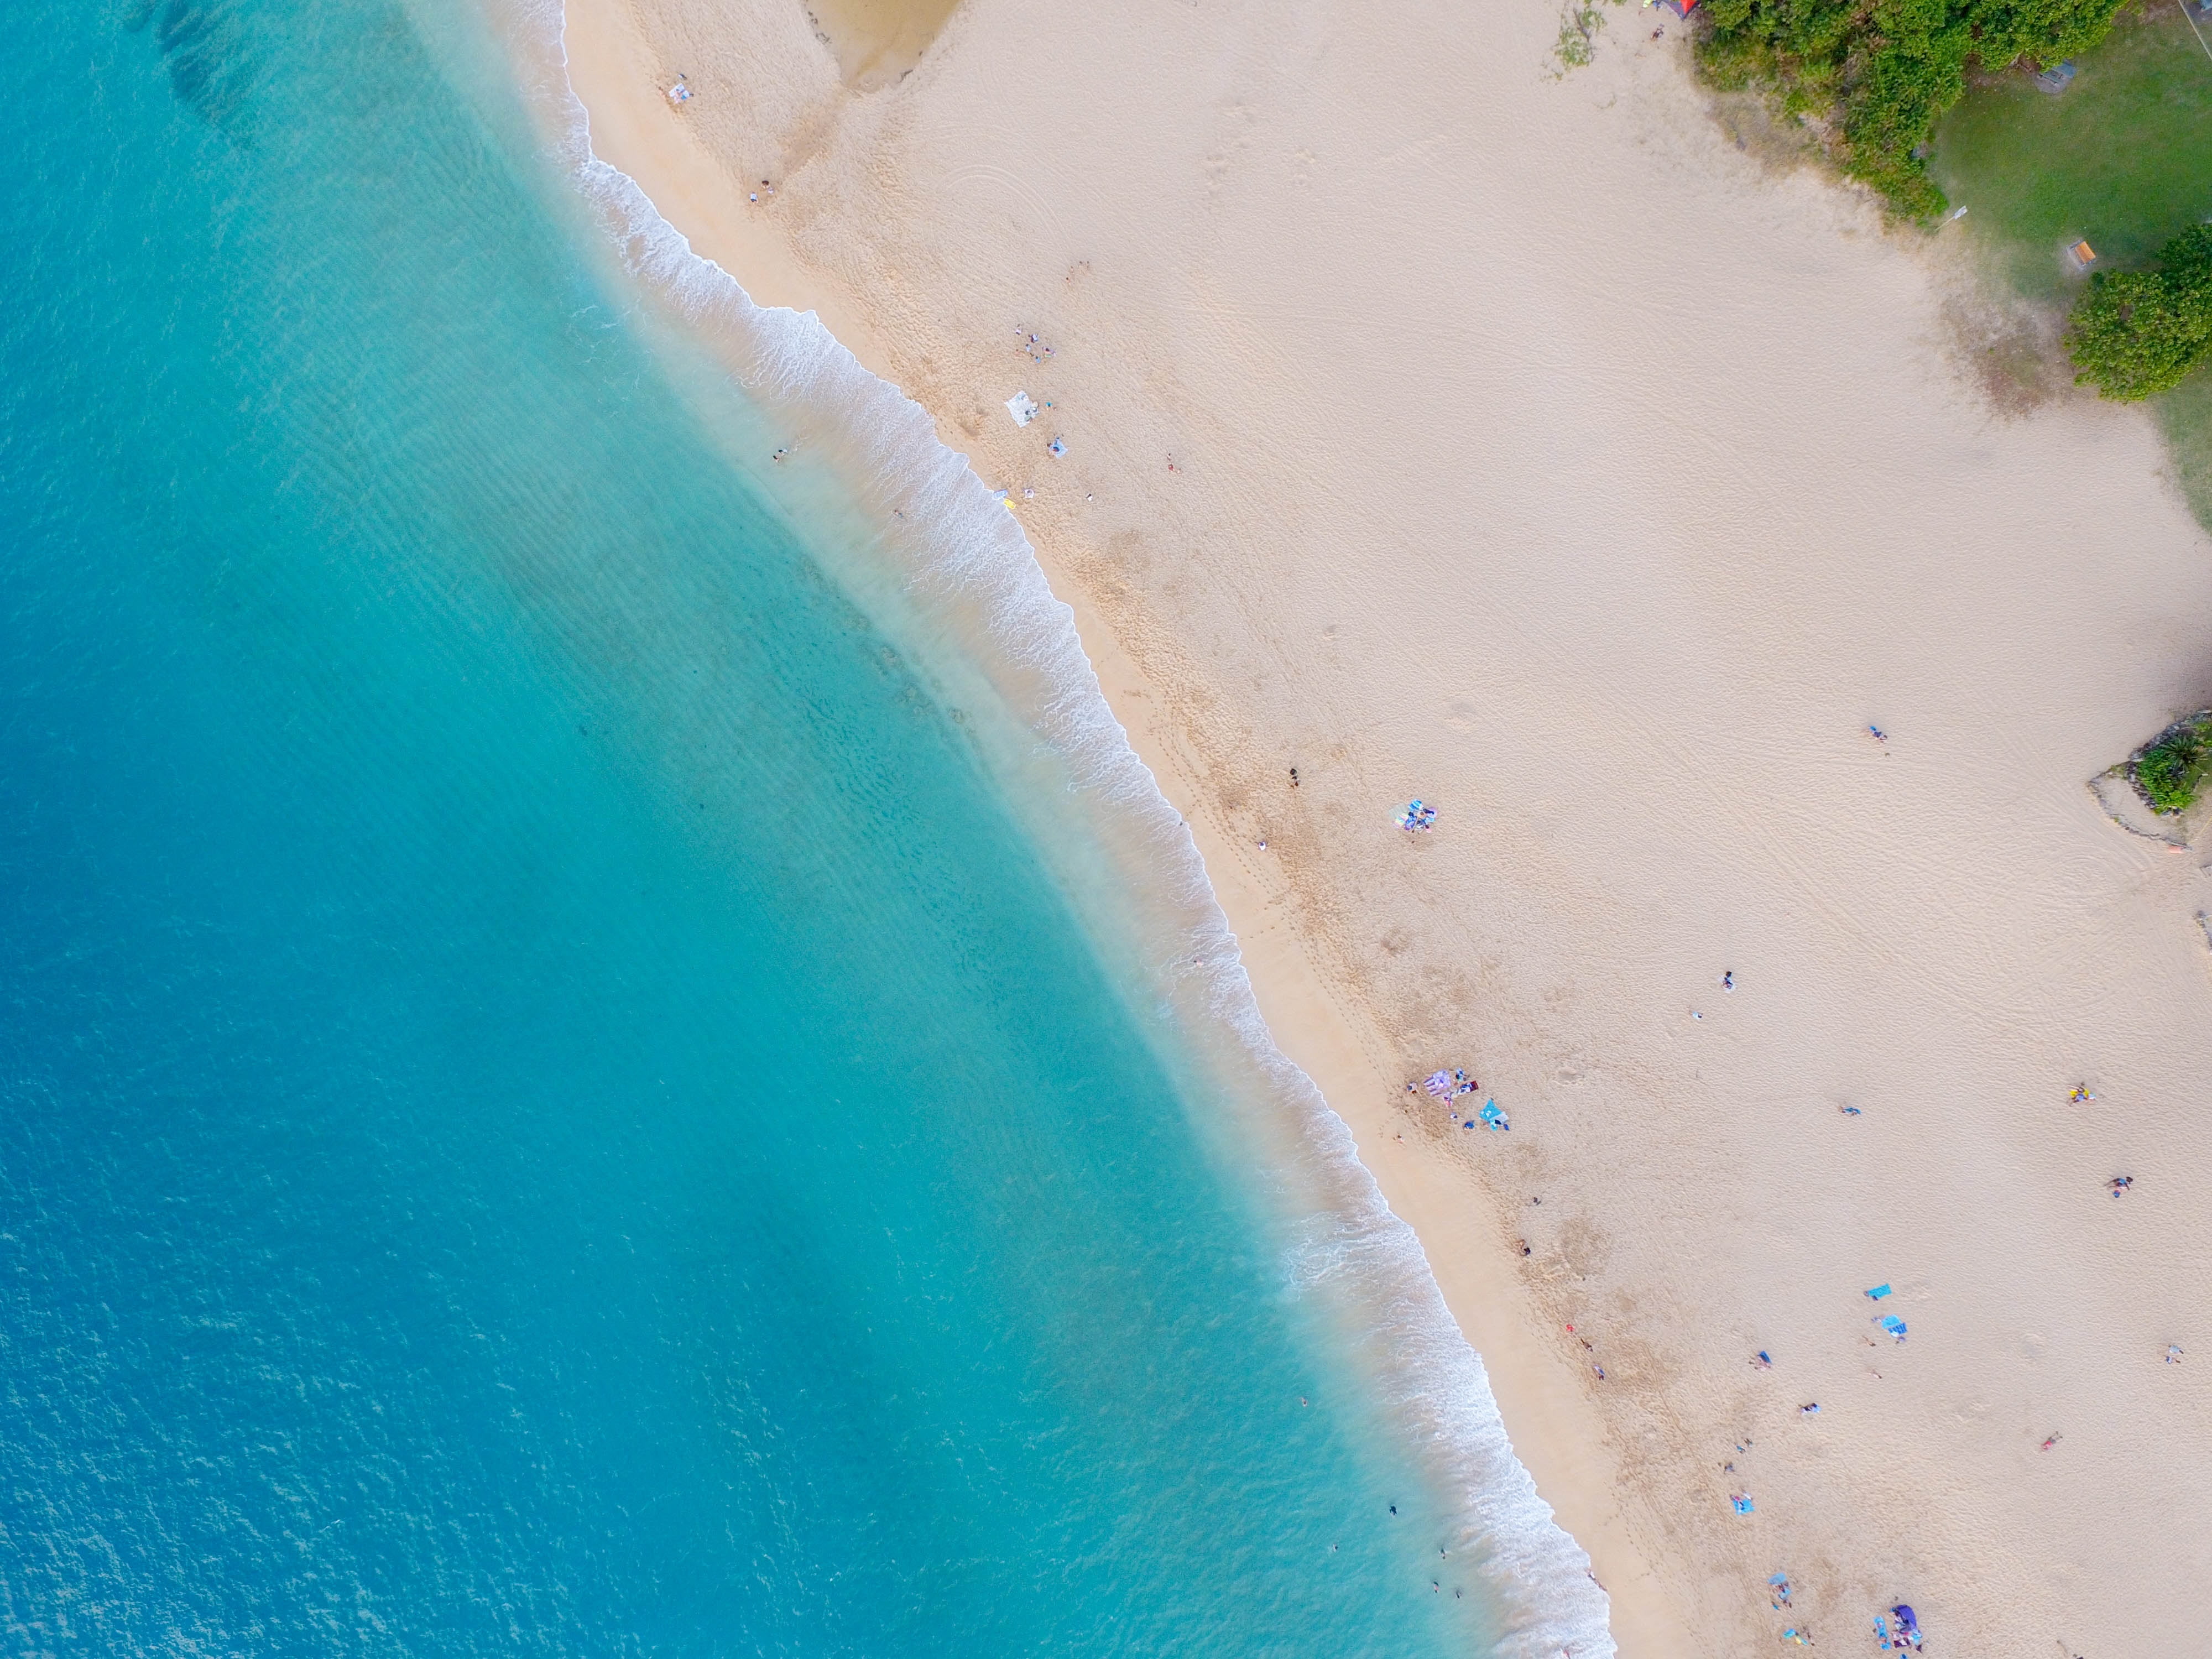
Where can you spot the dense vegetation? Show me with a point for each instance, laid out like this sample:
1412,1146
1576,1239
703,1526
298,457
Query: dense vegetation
2138,332
1878,73
2170,770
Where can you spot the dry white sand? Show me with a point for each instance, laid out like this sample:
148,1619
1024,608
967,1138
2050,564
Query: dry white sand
1536,452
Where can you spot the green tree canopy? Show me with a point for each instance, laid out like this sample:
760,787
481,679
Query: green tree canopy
2136,333
1882,72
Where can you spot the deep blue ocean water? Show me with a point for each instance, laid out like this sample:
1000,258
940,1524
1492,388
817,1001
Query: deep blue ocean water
546,1106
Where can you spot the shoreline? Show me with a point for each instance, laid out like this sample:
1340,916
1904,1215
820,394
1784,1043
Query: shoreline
1549,1430
1634,1472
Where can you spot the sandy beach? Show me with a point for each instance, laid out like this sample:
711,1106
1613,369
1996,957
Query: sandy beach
1440,426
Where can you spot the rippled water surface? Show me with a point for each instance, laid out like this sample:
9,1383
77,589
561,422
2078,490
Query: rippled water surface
545,1104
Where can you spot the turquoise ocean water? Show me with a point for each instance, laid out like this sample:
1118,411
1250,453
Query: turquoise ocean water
550,1099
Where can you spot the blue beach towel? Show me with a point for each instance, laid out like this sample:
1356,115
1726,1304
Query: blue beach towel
1877,1292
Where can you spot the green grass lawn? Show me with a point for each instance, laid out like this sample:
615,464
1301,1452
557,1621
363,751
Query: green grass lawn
2124,157
2185,413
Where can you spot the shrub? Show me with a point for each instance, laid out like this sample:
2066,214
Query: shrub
1882,75
1578,28
2169,771
2138,332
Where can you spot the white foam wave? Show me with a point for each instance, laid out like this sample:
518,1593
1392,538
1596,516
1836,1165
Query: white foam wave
1548,1600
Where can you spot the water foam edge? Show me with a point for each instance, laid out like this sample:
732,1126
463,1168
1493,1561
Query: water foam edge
1547,1598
